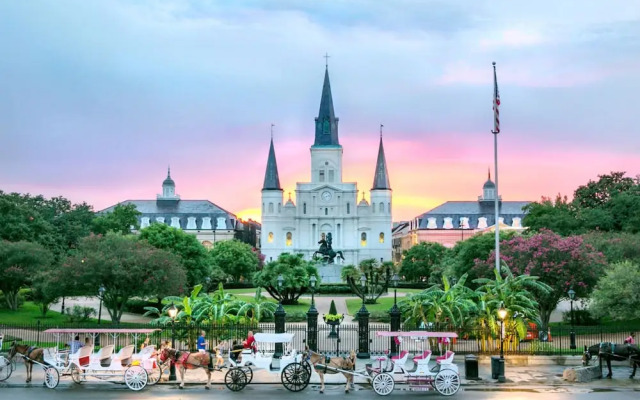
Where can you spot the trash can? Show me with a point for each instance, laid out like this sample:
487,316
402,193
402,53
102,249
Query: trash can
496,365
471,367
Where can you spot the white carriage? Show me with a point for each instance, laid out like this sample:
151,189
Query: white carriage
136,370
294,372
442,376
6,366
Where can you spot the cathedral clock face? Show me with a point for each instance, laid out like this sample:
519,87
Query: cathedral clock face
326,196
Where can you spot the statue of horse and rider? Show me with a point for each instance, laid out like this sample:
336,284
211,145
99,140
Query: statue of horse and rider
326,252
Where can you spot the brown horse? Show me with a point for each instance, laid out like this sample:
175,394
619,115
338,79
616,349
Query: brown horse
185,360
324,365
30,353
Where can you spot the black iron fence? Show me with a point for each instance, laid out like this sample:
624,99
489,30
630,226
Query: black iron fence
554,341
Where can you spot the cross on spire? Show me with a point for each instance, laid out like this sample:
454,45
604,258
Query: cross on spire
326,59
381,126
272,125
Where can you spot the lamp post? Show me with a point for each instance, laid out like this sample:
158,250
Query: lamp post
502,314
101,291
172,311
572,335
394,314
363,323
279,317
312,318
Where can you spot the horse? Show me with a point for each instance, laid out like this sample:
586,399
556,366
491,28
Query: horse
186,360
29,353
343,363
612,351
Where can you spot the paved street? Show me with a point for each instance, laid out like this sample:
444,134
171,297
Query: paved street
260,392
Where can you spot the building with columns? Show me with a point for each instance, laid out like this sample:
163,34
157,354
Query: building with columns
454,221
326,204
209,222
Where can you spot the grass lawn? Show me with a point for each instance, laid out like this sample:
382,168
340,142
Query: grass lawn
29,313
384,304
302,306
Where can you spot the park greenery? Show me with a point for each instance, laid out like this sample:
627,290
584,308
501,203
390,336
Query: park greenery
295,272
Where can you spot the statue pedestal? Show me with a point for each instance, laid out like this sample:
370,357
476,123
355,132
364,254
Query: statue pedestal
330,273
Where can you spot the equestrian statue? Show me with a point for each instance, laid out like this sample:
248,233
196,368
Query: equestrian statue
326,252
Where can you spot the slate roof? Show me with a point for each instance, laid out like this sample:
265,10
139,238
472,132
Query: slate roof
182,209
381,176
472,210
271,178
326,123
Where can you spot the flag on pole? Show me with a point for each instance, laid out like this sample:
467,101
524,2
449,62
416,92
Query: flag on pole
496,102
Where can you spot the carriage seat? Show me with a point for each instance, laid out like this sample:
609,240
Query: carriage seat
447,358
82,357
103,356
144,353
124,355
403,356
426,355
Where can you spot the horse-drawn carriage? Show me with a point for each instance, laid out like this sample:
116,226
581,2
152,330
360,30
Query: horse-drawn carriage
136,370
7,366
294,372
391,370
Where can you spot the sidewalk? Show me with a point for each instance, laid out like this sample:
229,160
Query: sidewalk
539,377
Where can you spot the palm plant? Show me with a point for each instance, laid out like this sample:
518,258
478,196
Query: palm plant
218,308
259,308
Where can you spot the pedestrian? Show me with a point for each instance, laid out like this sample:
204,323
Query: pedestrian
202,343
631,339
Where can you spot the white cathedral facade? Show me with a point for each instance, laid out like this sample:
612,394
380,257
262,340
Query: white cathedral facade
327,205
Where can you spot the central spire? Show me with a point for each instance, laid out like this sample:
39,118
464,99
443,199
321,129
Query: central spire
381,176
326,123
271,178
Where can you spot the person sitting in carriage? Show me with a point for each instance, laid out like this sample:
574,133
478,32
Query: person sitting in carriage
631,339
250,343
219,360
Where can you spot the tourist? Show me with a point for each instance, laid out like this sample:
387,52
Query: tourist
202,343
250,343
631,339
74,345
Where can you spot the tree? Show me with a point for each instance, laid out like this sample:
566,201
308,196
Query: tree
596,194
47,286
616,246
19,262
561,263
558,216
419,261
258,309
193,255
235,258
617,295
377,278
120,220
126,267
295,271
465,254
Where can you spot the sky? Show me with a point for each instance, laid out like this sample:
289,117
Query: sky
97,98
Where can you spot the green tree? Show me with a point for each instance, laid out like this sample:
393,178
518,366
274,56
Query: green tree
235,258
126,267
120,220
19,262
258,309
559,216
295,271
419,261
617,295
465,254
377,278
598,193
193,255
616,246
47,287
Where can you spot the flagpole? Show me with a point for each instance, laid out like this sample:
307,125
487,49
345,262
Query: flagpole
495,131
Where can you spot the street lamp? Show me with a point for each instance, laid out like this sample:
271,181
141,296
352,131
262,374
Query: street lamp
363,283
572,335
101,291
502,314
394,281
172,311
312,285
279,317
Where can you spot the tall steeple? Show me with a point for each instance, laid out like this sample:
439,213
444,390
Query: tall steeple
326,123
271,178
381,177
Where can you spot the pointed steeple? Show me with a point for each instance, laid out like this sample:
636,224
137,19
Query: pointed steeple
381,177
326,123
271,178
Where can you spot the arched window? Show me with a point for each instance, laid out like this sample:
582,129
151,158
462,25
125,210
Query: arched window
270,207
348,208
289,238
304,208
381,208
389,207
279,208
326,211
321,175
381,237
363,239
262,207
270,237
373,207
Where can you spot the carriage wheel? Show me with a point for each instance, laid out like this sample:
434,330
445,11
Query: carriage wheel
383,384
447,382
6,368
235,379
154,375
249,373
76,374
51,377
307,366
136,378
295,377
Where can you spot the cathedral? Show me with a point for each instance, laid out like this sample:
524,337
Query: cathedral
327,220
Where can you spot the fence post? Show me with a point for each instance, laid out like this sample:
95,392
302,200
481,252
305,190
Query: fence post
279,317
38,338
312,327
363,332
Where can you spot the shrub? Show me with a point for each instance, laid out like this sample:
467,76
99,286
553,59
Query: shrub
334,289
137,306
580,318
376,316
79,313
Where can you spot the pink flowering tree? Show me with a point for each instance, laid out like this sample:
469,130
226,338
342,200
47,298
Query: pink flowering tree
560,262
126,267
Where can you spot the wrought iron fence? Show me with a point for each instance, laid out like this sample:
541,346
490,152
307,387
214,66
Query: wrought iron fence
554,341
